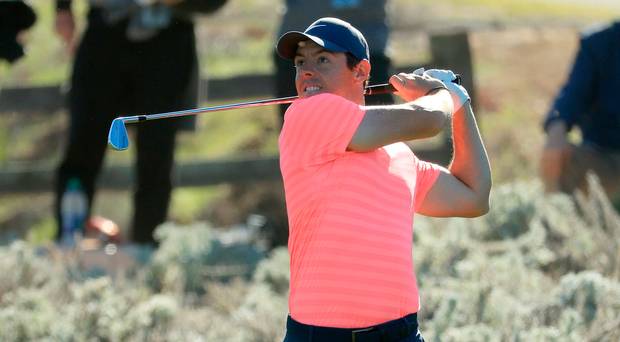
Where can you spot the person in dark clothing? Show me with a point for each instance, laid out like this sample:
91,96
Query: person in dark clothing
588,101
15,17
367,15
131,60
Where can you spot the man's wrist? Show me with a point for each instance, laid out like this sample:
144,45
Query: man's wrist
436,89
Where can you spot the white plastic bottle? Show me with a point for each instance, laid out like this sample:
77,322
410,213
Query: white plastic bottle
73,209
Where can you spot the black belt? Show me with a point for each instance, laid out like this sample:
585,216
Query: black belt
391,331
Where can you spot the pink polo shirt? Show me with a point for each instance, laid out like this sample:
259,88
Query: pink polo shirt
350,217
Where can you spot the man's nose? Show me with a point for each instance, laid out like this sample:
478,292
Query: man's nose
306,70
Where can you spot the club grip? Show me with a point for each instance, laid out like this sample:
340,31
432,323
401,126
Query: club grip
387,88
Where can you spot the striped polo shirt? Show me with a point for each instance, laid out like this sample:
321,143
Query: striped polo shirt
350,217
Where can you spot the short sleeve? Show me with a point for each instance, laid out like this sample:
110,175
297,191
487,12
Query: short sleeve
426,175
318,129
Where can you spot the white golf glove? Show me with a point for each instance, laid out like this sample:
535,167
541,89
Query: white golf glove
418,71
459,93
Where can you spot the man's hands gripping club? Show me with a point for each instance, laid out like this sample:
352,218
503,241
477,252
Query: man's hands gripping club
447,77
423,82
415,85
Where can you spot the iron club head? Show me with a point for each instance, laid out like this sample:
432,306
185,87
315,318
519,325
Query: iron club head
117,136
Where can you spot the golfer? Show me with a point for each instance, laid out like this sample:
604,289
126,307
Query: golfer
352,186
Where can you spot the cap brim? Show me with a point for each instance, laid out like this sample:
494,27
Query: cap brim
288,43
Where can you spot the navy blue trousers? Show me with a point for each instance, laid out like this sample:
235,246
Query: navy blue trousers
404,329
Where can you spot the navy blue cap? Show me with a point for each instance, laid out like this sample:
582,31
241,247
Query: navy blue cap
333,34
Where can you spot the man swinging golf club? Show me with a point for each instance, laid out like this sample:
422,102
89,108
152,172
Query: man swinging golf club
352,186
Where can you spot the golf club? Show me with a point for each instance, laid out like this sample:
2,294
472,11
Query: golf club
118,139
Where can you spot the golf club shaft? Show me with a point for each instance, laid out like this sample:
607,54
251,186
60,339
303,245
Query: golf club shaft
371,90
117,135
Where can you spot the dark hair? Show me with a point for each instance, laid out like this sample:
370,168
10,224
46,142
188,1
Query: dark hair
352,61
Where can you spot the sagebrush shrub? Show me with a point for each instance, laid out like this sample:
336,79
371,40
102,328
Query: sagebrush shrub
536,268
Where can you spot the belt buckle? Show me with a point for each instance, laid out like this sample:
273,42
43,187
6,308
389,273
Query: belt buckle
359,331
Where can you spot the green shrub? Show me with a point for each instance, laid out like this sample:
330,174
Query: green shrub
545,270
189,256
514,205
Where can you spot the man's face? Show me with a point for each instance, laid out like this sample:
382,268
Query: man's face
321,71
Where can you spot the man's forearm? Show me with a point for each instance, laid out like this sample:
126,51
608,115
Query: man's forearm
437,100
384,125
554,155
439,103
470,163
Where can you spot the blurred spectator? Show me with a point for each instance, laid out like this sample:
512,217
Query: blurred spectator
588,100
369,16
135,57
15,17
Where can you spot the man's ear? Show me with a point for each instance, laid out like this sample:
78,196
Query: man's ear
361,72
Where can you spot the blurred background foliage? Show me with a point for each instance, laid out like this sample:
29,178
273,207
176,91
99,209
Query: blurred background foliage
555,278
